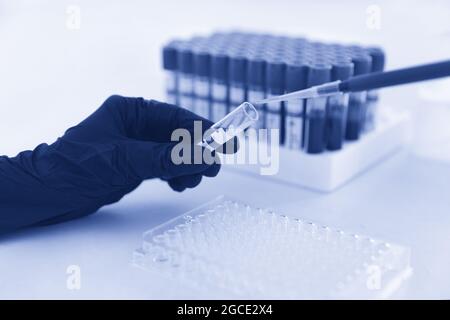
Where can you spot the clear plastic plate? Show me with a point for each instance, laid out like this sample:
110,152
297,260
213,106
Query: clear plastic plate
247,252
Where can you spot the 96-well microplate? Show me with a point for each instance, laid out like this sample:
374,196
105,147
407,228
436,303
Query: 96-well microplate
246,252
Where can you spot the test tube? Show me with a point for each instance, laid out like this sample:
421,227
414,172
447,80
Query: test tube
337,107
316,110
296,77
202,85
256,67
170,66
230,126
275,79
378,63
357,101
185,76
238,90
219,85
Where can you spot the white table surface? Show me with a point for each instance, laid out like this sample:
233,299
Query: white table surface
52,78
403,200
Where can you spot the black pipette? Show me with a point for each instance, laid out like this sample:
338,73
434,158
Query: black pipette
369,81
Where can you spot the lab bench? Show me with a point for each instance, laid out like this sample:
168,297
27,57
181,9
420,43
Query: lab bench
403,199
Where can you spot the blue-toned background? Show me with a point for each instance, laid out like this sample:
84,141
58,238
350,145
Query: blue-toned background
53,75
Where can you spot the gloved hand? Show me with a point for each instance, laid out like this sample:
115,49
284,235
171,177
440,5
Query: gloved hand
97,162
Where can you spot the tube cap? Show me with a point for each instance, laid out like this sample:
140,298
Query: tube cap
169,56
202,63
378,58
219,67
342,70
256,71
275,76
362,63
296,76
185,59
236,67
318,74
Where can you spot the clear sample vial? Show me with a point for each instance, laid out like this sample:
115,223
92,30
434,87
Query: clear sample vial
230,126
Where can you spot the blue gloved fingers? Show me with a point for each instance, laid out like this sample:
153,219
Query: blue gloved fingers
138,119
176,186
212,171
190,181
152,120
181,183
106,123
147,159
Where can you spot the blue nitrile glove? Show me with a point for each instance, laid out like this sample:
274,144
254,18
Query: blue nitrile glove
97,162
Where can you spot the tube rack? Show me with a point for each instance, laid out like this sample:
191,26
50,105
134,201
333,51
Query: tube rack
324,142
329,171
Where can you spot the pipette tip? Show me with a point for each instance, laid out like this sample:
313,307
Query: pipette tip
322,90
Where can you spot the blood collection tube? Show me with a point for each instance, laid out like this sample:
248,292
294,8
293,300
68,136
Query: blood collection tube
237,79
337,107
185,76
378,63
275,83
256,68
296,79
316,110
170,67
202,84
219,85
357,101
